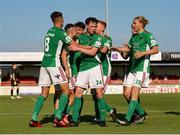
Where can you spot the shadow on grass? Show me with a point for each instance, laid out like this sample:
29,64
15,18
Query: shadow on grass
87,118
172,112
47,119
83,118
120,115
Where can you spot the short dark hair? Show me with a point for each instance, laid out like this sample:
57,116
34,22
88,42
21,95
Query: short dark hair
55,15
68,26
91,19
80,24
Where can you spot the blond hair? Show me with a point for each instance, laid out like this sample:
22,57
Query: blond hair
142,20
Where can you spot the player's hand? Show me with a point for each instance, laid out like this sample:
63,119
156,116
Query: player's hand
73,48
138,55
112,48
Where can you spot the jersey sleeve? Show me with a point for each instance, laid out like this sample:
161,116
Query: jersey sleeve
108,43
66,38
66,49
151,40
97,42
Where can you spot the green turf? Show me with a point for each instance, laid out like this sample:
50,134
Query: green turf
163,110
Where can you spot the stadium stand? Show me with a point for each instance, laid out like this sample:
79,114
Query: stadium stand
165,68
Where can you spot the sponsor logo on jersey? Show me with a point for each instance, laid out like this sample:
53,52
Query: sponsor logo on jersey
68,39
50,34
57,76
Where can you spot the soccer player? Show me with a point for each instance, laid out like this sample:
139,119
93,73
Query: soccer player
106,65
51,71
80,27
67,62
14,77
90,72
141,45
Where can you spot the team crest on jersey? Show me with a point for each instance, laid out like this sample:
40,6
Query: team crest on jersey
153,42
98,43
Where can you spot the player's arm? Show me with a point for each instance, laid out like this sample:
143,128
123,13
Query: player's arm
11,76
152,51
105,48
124,48
125,55
65,63
86,47
87,51
153,47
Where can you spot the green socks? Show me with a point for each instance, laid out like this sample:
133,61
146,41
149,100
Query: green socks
102,109
37,108
55,112
63,100
134,105
68,109
76,109
139,109
108,108
131,108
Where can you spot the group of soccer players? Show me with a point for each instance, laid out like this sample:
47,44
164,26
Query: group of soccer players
77,58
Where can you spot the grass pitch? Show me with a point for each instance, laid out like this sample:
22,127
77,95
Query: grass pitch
163,116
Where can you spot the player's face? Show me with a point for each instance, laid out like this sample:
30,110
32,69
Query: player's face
91,27
79,30
14,66
132,30
74,32
61,22
99,28
136,25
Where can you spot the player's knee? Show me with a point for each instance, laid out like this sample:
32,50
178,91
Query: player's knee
135,93
45,94
99,95
78,93
126,94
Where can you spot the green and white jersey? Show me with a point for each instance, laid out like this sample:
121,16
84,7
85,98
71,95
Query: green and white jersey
87,61
54,40
141,42
105,58
75,60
